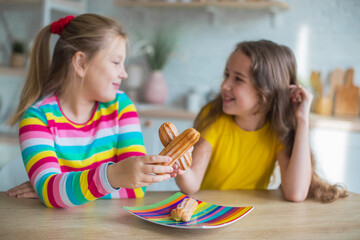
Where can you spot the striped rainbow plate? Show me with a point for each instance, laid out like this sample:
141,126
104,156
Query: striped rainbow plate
206,215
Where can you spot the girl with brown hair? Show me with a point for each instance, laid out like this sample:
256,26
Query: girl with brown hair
260,117
80,136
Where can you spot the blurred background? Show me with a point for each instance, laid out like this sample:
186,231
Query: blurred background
200,34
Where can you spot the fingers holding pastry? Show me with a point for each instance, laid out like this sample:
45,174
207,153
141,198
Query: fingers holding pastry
167,133
181,144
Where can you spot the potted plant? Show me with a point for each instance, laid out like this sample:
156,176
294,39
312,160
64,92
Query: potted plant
157,53
18,55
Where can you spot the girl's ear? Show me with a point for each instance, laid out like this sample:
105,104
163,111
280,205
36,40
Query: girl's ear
79,64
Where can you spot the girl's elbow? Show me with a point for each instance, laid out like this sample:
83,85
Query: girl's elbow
186,186
296,196
190,190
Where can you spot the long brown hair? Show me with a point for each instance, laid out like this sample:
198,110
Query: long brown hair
273,69
86,33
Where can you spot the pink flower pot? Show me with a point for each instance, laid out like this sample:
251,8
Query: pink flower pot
156,89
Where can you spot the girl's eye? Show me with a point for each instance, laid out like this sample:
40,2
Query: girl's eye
238,79
226,75
116,63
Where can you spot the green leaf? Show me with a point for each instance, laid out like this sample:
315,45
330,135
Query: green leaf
161,47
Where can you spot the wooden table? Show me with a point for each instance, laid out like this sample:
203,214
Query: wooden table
272,218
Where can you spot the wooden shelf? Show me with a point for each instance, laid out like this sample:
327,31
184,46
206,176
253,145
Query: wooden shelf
156,111
9,138
65,5
347,124
20,1
14,72
340,123
230,4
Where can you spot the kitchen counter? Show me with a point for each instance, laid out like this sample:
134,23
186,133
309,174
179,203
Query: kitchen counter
341,123
166,112
272,218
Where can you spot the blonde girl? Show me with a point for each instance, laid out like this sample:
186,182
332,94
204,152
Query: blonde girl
80,136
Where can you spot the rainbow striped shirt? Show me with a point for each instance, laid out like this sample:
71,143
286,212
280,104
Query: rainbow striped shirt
66,162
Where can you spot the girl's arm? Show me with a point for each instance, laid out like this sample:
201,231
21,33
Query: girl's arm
296,170
65,189
189,181
54,187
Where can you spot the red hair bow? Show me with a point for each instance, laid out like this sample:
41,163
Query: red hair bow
59,25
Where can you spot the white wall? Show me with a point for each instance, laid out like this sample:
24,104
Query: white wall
324,34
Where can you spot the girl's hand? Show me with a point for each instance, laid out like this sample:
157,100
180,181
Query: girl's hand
177,170
139,171
301,100
25,190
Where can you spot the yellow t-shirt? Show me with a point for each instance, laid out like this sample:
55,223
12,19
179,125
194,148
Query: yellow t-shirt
240,159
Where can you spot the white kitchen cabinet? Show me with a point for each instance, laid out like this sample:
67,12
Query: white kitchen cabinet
335,142
337,153
150,127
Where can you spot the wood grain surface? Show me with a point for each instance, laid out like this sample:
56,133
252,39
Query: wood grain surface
272,218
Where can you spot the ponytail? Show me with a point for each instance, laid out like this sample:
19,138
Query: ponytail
37,75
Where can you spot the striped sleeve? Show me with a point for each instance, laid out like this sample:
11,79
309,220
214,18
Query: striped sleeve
55,188
130,141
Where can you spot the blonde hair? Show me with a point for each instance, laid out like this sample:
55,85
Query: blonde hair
273,69
86,33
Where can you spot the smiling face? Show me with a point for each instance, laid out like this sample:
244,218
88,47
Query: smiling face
106,71
239,96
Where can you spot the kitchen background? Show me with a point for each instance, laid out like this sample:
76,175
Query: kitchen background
324,34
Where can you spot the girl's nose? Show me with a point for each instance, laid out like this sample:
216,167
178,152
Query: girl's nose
123,74
226,85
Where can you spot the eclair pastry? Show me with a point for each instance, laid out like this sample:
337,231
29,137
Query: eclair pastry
167,133
178,146
184,210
